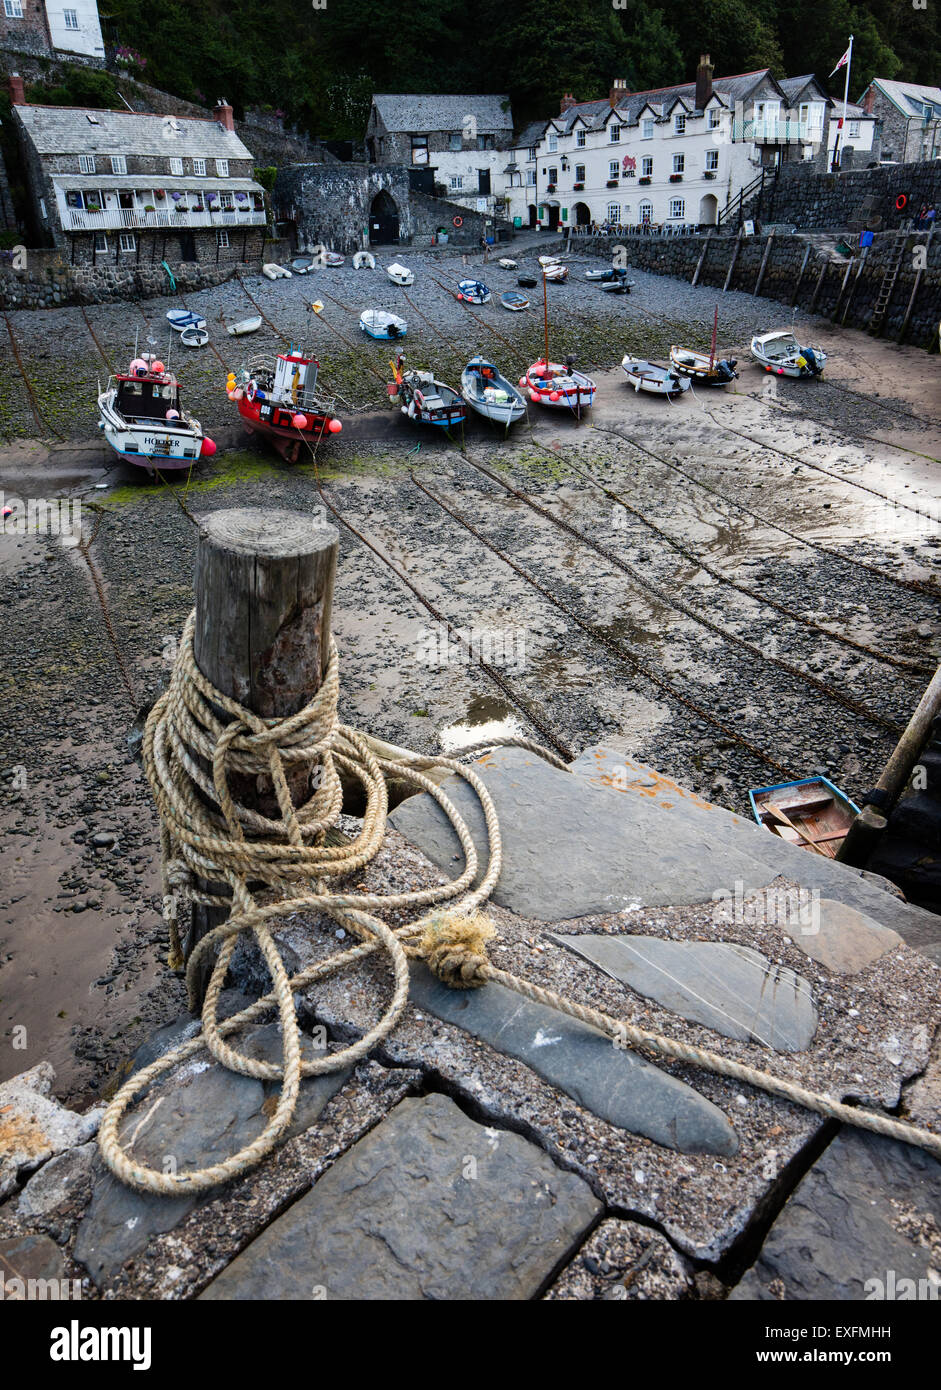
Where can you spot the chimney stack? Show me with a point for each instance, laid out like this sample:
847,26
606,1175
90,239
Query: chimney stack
17,90
704,82
618,92
567,101
869,100
225,115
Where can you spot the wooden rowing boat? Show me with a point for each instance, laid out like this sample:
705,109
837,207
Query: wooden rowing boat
811,813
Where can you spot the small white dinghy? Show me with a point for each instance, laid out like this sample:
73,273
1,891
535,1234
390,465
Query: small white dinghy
238,330
548,260
380,324
558,273
490,394
647,376
364,260
194,337
506,263
400,274
275,272
781,353
179,319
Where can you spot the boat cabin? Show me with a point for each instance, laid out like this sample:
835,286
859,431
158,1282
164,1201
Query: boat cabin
147,398
295,379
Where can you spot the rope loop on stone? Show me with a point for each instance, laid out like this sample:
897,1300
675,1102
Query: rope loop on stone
454,948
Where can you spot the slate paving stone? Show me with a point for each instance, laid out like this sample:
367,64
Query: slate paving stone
608,768
570,848
24,1258
730,988
623,1262
614,1083
34,1126
845,940
429,1205
868,1210
200,1115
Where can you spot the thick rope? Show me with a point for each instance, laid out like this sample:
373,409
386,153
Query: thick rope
190,756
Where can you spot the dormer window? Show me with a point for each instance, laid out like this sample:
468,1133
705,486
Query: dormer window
646,128
715,116
679,124
580,139
614,134
553,143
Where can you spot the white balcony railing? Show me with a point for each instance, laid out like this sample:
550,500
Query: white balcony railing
777,132
122,219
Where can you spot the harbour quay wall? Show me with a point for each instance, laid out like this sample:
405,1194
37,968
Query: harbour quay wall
849,200
799,271
47,281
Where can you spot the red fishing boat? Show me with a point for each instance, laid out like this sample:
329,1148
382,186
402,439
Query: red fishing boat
284,404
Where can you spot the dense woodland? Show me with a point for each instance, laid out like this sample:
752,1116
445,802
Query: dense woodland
321,65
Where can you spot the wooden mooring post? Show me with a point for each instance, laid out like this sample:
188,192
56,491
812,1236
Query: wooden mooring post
919,273
800,277
702,260
764,263
264,598
735,251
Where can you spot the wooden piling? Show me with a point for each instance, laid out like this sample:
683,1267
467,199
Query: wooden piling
800,276
701,262
915,288
264,599
737,248
816,294
764,263
841,291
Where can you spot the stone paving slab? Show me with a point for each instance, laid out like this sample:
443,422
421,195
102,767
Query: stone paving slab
866,1216
609,769
732,989
34,1126
845,940
429,1205
614,1083
199,1115
571,848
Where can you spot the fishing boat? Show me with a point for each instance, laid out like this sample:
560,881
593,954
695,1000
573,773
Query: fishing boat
302,265
811,813
490,394
194,336
275,272
781,353
179,319
332,258
425,399
610,273
548,260
379,324
557,273
648,376
554,383
703,368
506,263
244,326
617,286
514,301
400,274
143,420
283,404
473,291
528,282
364,260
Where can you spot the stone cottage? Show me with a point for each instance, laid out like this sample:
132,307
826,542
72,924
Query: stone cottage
910,118
48,29
138,188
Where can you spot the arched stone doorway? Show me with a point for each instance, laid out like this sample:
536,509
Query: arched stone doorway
582,214
533,215
553,212
383,219
708,210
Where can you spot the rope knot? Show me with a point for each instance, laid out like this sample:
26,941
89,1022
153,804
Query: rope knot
454,948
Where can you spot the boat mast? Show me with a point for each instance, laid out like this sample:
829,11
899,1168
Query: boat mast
715,334
545,312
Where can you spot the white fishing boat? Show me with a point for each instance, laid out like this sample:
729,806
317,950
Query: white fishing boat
474,291
559,385
648,376
178,319
701,367
781,353
332,259
239,330
194,336
490,394
557,273
142,418
400,274
506,263
514,301
377,323
549,260
275,272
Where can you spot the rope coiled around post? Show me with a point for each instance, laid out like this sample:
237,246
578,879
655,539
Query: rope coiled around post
191,756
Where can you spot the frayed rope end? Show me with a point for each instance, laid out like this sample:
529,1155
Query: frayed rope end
455,948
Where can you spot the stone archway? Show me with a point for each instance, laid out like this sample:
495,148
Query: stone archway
582,214
708,210
383,219
554,212
533,215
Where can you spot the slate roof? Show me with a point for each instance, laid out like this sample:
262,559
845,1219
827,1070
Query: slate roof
595,113
424,114
911,97
68,130
530,135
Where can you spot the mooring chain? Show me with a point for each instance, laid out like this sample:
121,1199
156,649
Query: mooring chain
85,549
204,832
670,601
617,649
913,585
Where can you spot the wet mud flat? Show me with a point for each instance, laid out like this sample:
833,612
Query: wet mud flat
81,940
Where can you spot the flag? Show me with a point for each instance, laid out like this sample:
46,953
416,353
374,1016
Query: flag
842,63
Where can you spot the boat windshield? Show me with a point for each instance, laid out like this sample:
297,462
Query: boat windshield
147,400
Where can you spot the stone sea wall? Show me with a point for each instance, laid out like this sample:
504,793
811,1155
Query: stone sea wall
831,285
48,281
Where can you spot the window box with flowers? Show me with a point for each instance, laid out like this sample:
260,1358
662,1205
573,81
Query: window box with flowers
676,178
149,207
709,174
645,179
550,188
577,187
612,183
159,194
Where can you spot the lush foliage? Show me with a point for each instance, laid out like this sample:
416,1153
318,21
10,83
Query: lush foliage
322,64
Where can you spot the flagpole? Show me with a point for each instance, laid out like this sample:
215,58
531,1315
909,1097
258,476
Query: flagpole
838,153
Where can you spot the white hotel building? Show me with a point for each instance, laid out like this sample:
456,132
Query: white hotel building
670,158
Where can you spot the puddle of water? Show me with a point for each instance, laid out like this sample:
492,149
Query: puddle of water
486,718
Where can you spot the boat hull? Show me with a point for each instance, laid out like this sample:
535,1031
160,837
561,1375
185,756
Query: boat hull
823,813
574,391
696,366
656,381
274,424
